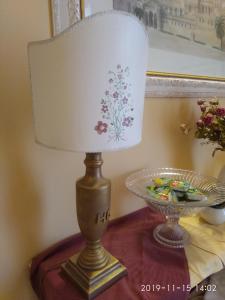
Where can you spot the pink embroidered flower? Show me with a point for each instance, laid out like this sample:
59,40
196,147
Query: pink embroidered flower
105,108
101,127
125,100
115,95
127,121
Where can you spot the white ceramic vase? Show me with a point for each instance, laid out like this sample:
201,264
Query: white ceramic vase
215,215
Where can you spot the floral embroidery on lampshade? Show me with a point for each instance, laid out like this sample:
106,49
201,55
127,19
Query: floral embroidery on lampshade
101,127
116,106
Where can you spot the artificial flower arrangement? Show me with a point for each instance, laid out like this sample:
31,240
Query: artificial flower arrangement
211,124
211,127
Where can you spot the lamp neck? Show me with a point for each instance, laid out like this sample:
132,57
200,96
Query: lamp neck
93,163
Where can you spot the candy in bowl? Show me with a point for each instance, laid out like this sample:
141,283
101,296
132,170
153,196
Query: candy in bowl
175,193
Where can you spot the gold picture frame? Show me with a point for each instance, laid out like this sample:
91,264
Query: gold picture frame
159,83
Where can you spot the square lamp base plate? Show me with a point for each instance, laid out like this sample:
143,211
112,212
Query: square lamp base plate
93,283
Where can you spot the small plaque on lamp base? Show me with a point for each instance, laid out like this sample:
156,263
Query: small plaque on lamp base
93,283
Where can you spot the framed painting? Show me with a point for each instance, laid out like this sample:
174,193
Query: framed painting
187,41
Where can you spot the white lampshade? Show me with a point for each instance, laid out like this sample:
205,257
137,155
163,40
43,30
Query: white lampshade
88,84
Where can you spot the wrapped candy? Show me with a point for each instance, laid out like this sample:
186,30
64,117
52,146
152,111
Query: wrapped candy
178,185
161,181
174,190
195,195
161,193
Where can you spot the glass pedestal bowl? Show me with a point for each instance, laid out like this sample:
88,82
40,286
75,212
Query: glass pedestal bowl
170,233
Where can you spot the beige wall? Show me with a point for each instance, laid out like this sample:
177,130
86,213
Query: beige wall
37,205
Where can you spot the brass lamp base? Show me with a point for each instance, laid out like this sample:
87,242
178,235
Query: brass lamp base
93,269
93,283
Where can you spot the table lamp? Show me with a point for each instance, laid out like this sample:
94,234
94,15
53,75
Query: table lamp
88,95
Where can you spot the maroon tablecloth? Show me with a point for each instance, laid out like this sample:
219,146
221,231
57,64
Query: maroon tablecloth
154,271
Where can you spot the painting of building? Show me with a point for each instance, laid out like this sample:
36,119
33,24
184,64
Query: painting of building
202,22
